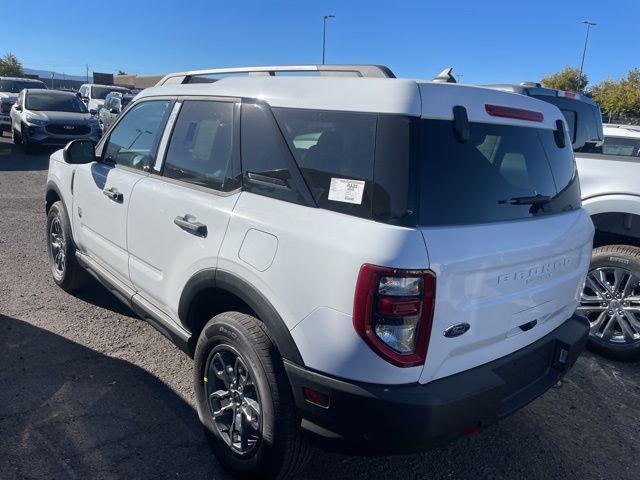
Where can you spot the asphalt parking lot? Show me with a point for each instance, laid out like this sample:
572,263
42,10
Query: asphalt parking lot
89,391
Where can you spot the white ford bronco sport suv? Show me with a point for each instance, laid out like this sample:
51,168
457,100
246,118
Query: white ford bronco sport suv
376,265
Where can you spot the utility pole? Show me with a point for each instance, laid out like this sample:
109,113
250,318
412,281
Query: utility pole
324,34
584,51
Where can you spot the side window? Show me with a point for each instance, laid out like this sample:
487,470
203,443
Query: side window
265,156
201,148
134,140
335,151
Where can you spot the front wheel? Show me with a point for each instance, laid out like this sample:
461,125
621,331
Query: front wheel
245,401
66,271
25,141
611,302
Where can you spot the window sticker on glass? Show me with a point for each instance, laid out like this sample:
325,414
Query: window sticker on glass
348,191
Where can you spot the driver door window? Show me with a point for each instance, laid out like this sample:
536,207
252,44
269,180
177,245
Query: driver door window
135,138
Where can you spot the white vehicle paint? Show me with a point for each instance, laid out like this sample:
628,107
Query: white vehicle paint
507,271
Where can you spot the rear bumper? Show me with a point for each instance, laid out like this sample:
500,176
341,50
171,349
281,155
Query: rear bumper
383,419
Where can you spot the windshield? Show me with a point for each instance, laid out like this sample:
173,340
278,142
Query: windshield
101,93
54,102
16,86
584,120
481,180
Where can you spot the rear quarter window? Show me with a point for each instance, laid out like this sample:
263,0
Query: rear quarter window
334,150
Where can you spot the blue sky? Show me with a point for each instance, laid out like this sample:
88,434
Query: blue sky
485,40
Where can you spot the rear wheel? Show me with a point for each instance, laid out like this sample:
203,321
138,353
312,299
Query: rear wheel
245,401
611,302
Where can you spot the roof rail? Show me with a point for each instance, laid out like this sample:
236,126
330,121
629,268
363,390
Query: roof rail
201,76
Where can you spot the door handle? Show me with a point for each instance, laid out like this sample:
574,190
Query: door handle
113,194
188,224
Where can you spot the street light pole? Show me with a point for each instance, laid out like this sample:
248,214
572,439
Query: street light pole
324,34
584,51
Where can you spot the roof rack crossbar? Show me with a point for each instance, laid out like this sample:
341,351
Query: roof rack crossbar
370,71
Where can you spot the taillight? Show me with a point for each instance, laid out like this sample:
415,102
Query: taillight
511,112
393,312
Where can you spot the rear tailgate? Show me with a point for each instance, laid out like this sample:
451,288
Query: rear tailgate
512,282
500,213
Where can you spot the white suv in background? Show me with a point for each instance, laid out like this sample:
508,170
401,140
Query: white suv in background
376,265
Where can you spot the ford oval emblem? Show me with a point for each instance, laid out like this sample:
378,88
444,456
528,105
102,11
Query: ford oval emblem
456,330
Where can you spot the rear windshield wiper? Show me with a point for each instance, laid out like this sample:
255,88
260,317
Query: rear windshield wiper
532,200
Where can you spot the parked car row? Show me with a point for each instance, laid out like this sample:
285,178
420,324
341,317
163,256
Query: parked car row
371,264
37,116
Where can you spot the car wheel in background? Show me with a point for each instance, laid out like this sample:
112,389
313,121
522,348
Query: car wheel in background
25,142
611,302
66,271
244,399
15,137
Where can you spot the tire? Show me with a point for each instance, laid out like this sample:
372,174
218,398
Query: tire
66,271
611,302
25,143
15,137
274,449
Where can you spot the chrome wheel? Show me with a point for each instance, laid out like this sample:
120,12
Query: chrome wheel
233,399
611,302
57,245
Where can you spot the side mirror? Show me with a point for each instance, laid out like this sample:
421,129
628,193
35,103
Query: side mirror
18,107
93,111
79,152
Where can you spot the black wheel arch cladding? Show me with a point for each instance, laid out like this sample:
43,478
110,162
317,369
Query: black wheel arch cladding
251,296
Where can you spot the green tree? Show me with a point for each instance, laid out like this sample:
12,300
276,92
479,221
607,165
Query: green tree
619,98
566,79
10,66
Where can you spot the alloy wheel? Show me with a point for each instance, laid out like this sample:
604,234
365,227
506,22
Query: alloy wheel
57,244
611,302
233,399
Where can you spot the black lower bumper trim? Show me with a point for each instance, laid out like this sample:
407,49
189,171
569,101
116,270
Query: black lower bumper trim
383,419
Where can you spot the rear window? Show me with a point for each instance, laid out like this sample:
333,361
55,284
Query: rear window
584,120
477,181
624,147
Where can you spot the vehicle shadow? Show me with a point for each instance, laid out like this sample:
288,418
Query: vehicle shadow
96,294
67,411
13,158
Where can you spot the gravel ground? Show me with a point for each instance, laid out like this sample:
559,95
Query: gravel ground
89,391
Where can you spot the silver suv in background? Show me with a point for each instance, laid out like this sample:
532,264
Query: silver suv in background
51,117
113,106
10,87
611,194
94,95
